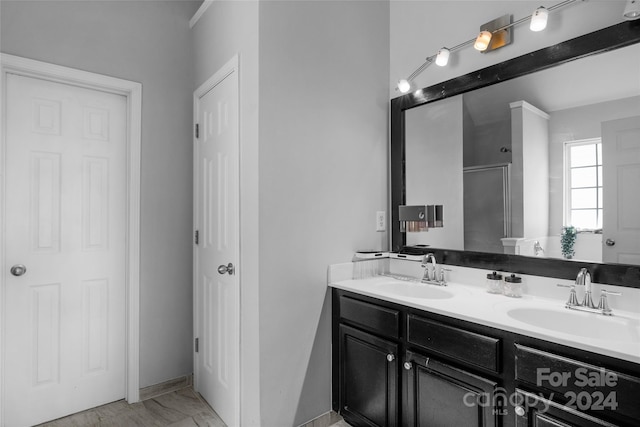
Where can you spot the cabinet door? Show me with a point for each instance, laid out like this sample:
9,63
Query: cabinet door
534,410
437,394
368,379
599,390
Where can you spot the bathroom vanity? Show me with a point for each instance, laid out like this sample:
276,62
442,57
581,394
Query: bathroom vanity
410,354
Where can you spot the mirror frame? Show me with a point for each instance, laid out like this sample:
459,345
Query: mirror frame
617,36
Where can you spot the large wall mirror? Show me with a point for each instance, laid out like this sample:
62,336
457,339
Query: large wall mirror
519,150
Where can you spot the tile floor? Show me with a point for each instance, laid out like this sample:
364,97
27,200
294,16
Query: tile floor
181,408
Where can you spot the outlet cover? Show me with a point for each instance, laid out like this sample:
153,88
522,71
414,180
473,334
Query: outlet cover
381,221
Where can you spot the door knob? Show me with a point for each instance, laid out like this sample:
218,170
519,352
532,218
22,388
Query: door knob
610,242
229,268
18,270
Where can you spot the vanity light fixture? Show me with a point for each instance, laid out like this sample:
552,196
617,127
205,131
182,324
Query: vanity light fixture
496,34
632,10
539,19
442,58
482,41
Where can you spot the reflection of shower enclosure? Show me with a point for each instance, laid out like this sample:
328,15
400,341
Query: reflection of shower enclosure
487,207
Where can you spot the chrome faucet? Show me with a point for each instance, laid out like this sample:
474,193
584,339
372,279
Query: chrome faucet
584,279
432,277
425,263
537,248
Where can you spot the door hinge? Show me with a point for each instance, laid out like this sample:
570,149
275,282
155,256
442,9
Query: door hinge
197,130
196,237
197,345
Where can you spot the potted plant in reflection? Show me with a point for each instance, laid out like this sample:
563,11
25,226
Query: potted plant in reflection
567,240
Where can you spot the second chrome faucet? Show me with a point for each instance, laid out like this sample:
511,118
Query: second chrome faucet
584,279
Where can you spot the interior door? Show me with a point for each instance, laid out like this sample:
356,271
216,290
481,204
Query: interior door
65,249
484,232
217,221
621,181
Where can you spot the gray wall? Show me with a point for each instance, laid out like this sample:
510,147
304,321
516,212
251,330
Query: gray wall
147,42
433,169
313,174
323,150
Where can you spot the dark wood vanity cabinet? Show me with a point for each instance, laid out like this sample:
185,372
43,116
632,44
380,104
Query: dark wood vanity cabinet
438,394
368,346
378,346
368,378
398,366
439,387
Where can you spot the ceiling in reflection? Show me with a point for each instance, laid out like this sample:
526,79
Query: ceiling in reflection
549,91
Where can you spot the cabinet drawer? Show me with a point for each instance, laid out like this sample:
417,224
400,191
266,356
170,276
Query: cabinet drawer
541,412
374,318
580,384
468,347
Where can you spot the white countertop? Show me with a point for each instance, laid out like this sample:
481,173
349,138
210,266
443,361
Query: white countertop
616,336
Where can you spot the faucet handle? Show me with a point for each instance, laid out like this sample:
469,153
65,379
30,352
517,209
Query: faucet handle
442,277
603,304
573,298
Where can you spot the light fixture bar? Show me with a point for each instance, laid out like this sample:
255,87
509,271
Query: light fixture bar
430,59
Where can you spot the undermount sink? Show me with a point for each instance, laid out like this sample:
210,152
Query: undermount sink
576,323
414,290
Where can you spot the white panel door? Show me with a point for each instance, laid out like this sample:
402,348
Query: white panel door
66,223
621,181
217,292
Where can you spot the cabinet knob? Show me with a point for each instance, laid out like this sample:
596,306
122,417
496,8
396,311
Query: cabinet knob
407,366
390,357
520,411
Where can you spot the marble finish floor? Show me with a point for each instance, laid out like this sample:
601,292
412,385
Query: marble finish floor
181,408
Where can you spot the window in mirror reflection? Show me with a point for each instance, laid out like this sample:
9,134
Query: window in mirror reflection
584,184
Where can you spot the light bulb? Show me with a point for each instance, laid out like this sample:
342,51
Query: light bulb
443,57
404,86
539,19
632,10
482,41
